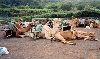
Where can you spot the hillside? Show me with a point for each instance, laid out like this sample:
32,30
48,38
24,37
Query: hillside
49,8
25,2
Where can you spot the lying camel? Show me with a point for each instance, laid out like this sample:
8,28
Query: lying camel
65,36
18,30
69,34
86,35
74,34
60,35
47,31
54,32
93,24
56,24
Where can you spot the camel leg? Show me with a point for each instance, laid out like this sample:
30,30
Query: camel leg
58,36
71,43
88,38
47,36
17,35
20,36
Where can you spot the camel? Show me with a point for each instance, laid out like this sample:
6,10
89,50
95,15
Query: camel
68,35
87,22
98,25
26,24
51,33
73,34
65,36
86,35
94,24
56,24
73,23
47,31
18,30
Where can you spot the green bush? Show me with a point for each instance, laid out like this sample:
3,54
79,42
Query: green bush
54,15
47,13
29,12
27,18
91,13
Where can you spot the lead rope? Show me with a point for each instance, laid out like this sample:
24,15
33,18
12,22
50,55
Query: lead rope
17,28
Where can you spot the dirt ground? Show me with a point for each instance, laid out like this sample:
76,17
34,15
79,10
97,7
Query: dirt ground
27,48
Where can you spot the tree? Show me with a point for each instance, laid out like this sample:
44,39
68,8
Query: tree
66,6
54,6
80,7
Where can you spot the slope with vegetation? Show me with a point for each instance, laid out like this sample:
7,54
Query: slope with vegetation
49,8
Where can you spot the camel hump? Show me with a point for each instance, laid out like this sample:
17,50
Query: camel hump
67,34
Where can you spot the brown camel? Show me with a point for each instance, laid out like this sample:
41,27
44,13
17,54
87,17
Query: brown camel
18,30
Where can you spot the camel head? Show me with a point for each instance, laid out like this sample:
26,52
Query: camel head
56,23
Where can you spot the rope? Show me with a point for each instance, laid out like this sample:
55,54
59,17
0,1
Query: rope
17,28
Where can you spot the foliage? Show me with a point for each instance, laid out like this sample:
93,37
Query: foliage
49,8
66,6
83,13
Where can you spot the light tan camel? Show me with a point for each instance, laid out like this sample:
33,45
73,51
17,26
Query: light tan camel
51,33
86,35
73,23
67,36
56,24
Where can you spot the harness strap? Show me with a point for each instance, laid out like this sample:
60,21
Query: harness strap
17,28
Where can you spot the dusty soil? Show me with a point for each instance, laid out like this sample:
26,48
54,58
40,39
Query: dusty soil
27,48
